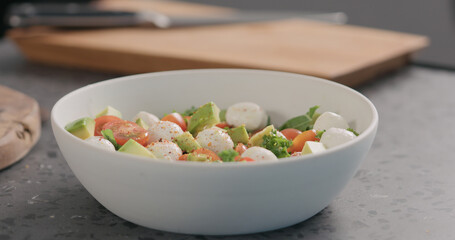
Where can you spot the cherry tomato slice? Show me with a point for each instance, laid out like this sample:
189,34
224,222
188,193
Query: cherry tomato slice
290,133
212,155
222,125
100,121
243,159
124,130
184,157
299,141
177,119
240,148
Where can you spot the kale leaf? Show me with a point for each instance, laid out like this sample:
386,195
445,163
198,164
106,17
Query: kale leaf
276,144
228,155
302,122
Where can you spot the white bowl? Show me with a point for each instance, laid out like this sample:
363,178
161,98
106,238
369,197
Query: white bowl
215,199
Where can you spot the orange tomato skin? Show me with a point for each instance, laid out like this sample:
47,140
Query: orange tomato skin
184,157
246,159
212,155
177,119
125,130
100,121
222,125
299,141
291,133
243,159
240,148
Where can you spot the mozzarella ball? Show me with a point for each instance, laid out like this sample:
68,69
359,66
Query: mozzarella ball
335,136
259,154
148,118
165,150
328,120
164,130
100,142
215,139
248,113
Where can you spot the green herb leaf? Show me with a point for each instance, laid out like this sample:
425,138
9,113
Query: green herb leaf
353,131
228,155
189,112
319,134
109,135
302,122
276,144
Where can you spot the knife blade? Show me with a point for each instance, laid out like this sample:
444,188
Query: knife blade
75,15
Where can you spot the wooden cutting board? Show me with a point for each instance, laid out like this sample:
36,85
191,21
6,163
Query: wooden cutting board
20,125
343,53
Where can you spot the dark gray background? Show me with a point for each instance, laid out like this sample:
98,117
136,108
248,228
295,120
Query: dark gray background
435,19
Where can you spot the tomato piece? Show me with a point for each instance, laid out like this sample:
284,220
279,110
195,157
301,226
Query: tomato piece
290,133
240,148
184,157
124,130
243,159
177,119
222,125
212,155
100,121
246,159
299,141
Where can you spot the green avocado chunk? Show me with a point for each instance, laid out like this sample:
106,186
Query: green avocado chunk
135,148
110,111
82,128
223,115
239,134
142,123
186,142
205,116
257,139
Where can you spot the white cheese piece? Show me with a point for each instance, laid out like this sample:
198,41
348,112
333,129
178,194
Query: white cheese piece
165,150
148,118
328,120
336,136
313,147
100,142
164,130
248,113
259,154
215,139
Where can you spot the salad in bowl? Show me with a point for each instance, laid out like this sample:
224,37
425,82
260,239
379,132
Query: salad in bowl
241,133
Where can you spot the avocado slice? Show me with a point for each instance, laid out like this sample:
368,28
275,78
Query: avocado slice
142,123
205,116
110,111
135,148
239,134
187,142
82,128
223,115
257,139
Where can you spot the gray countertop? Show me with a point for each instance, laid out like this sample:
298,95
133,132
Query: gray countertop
404,189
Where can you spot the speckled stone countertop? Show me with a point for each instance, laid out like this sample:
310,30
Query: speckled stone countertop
404,189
